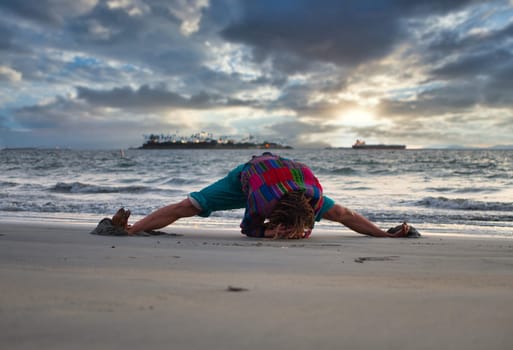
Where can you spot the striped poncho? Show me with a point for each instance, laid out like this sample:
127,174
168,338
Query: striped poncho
265,179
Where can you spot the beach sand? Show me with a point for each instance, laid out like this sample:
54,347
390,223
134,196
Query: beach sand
62,288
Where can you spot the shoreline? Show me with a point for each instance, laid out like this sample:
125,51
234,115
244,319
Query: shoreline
214,288
218,224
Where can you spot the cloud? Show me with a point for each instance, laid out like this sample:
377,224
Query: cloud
472,65
449,41
464,75
483,62
6,38
488,76
48,11
299,133
58,113
107,24
309,31
153,98
102,120
69,122
9,74
131,7
436,102
335,31
189,12
154,38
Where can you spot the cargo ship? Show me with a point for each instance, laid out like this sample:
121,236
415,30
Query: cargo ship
360,144
205,140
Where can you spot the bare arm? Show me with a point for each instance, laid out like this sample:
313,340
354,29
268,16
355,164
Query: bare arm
359,223
164,216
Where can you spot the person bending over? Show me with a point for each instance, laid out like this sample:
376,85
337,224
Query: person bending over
282,199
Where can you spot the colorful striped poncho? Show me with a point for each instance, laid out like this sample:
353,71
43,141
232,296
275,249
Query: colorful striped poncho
265,179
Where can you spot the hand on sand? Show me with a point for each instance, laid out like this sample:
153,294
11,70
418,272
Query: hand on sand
120,219
399,231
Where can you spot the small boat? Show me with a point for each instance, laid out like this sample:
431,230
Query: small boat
360,144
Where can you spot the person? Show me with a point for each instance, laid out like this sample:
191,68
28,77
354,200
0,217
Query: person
282,199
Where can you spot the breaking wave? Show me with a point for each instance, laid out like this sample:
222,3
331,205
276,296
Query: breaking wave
463,190
463,204
79,187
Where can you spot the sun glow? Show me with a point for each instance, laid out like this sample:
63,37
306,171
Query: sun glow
357,117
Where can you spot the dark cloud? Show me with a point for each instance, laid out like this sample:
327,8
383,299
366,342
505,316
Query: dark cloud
497,90
487,74
470,69
469,55
472,65
480,63
343,32
232,83
73,123
46,12
153,98
435,102
503,77
142,98
41,10
284,63
336,32
447,42
54,115
149,39
107,26
489,78
423,8
6,38
484,79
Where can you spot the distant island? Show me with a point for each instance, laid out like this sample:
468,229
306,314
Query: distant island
205,140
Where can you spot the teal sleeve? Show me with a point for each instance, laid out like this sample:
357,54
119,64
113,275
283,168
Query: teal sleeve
327,204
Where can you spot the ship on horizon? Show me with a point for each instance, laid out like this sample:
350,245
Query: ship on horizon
360,144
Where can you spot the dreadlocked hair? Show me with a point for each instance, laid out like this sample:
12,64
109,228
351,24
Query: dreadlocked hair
293,216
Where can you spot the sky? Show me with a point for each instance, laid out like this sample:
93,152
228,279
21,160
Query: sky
309,73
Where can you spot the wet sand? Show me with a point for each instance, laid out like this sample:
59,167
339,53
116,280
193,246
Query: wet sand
62,288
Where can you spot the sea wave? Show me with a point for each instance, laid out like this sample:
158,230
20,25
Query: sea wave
79,187
337,171
8,184
53,207
359,188
463,204
440,216
463,190
181,181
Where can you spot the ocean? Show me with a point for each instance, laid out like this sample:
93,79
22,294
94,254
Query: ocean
446,192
